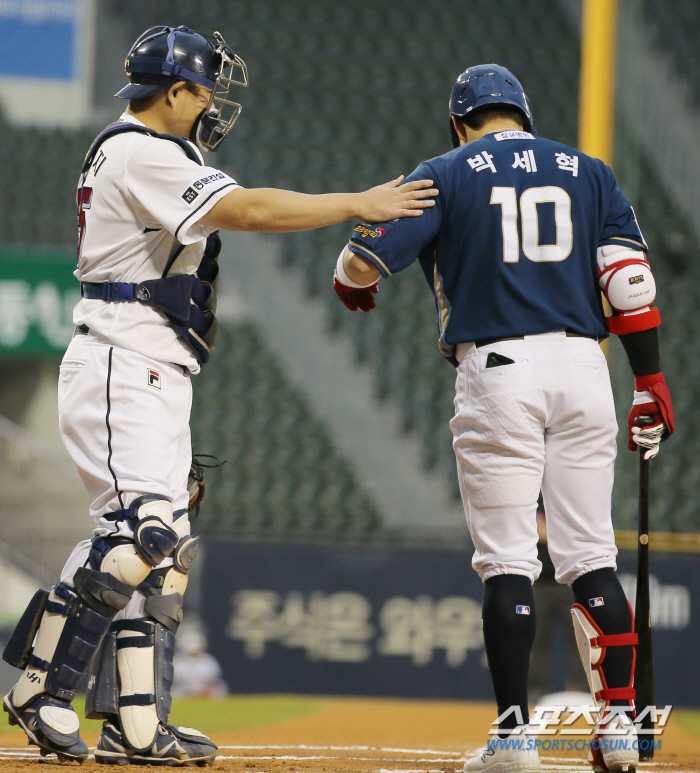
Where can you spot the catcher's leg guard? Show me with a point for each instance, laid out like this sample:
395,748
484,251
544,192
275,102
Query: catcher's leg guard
68,625
130,685
613,747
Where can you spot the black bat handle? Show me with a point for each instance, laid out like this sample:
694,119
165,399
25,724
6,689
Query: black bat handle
644,667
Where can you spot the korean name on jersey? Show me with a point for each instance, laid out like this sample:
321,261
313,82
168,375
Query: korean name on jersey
509,249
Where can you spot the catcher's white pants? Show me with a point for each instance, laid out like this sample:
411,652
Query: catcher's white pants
124,420
546,422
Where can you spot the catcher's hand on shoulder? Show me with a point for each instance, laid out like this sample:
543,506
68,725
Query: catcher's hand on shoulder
356,297
393,200
653,410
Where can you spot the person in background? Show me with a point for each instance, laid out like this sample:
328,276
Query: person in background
197,673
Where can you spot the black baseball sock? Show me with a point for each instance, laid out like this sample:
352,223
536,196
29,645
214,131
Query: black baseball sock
612,616
509,631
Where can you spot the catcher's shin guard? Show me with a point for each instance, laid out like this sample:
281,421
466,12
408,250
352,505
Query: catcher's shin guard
55,642
131,682
68,625
613,747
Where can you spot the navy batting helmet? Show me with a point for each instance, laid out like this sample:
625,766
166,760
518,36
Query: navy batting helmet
487,85
162,56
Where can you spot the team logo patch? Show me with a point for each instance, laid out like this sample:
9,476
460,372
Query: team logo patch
635,280
596,602
364,231
190,195
153,378
521,609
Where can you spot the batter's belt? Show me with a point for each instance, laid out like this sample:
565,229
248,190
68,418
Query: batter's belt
569,332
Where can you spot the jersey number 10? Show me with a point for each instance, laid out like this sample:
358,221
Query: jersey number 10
529,223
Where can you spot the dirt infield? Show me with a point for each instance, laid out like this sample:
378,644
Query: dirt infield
346,735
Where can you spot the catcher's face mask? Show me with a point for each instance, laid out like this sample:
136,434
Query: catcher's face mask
219,116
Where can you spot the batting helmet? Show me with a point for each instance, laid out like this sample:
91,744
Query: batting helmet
488,85
162,56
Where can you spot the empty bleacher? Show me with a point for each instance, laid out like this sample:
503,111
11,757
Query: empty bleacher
344,96
675,29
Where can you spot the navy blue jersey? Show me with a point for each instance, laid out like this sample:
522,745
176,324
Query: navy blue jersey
510,247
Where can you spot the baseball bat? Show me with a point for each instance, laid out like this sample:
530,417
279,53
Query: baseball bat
644,665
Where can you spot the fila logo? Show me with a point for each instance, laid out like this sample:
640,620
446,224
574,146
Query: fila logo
153,378
522,610
596,602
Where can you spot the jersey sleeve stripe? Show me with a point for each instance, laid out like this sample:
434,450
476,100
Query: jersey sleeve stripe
617,239
444,319
203,204
360,247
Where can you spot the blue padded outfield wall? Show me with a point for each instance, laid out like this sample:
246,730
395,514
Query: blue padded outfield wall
366,621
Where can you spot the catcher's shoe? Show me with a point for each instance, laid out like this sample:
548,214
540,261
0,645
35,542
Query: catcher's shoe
507,755
172,746
615,751
51,724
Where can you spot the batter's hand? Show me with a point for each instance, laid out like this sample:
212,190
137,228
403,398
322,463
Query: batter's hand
356,297
394,200
651,398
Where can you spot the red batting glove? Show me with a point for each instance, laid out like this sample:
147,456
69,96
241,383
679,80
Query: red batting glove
660,410
356,297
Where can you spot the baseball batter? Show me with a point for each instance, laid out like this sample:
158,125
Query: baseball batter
525,234
148,211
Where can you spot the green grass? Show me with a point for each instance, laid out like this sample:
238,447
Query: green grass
216,715
689,720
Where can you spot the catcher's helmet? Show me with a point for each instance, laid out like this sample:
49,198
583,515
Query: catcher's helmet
162,56
489,85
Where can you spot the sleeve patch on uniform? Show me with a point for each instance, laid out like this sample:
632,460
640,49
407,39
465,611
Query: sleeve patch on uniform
199,184
190,195
364,231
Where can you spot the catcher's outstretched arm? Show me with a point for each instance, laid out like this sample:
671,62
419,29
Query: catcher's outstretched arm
271,210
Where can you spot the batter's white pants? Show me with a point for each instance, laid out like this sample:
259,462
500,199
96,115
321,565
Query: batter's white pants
546,422
124,419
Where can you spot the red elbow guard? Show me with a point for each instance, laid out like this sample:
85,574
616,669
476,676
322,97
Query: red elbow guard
623,324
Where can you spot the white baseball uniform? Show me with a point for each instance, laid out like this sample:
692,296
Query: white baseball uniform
546,420
124,390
